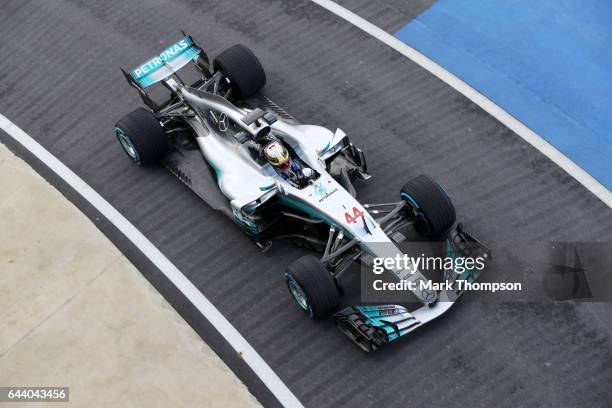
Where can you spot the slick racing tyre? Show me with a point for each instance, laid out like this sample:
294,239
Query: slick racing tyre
312,286
434,208
142,137
242,68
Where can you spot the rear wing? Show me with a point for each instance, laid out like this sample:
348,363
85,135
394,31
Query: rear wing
166,63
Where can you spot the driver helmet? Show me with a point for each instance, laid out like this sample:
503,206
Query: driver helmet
277,155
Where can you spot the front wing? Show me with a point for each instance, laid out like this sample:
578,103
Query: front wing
371,327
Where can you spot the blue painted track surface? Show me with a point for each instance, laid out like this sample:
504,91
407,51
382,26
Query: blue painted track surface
546,62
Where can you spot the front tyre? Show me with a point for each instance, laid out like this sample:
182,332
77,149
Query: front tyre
435,211
312,287
142,137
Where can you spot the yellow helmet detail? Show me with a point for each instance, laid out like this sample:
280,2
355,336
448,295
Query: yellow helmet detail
277,155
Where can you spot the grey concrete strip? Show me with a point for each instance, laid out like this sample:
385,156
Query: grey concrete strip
76,313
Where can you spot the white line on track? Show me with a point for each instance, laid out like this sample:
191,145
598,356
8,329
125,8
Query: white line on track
548,150
208,310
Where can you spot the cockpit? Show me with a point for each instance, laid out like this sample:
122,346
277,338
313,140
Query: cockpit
267,147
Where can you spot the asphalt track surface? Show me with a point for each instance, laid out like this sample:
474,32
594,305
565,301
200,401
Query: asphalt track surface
59,81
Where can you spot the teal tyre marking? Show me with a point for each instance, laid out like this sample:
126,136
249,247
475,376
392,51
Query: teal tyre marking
127,145
300,297
412,200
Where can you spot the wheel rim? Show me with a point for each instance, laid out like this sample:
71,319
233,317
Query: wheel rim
127,145
298,294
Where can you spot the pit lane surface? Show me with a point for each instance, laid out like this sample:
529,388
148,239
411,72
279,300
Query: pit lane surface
60,82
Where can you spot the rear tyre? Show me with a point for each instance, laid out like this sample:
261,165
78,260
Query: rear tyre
240,65
312,287
435,210
142,137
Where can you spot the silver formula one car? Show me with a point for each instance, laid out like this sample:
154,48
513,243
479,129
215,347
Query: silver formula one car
279,179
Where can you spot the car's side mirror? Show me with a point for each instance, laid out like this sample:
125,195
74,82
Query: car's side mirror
270,118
